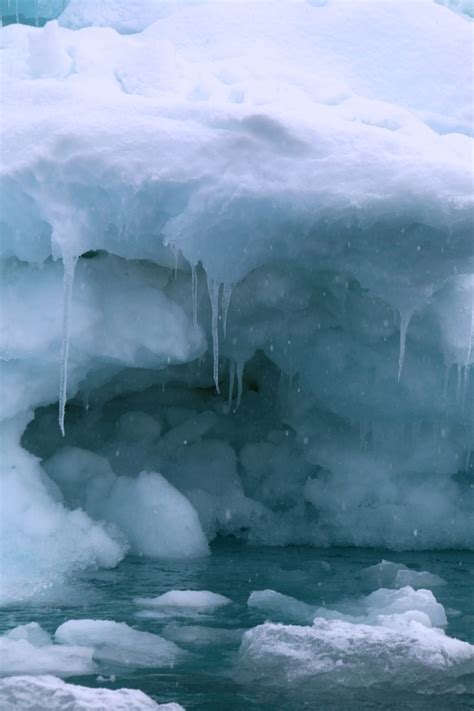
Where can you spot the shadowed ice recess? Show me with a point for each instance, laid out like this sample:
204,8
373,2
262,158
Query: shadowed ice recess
237,302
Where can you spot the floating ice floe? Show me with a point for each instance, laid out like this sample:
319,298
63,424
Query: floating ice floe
185,599
48,693
29,649
390,637
397,575
336,652
115,643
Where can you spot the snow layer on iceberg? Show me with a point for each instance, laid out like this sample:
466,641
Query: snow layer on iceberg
47,693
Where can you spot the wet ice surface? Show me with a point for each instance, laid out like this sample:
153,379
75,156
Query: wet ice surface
208,678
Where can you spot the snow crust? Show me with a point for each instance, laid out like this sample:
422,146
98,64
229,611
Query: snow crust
48,693
238,291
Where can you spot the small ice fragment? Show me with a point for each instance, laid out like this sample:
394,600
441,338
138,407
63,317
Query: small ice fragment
197,599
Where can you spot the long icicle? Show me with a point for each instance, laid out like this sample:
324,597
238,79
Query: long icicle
226,296
467,365
240,377
458,383
231,384
214,288
194,290
69,265
447,369
176,256
405,318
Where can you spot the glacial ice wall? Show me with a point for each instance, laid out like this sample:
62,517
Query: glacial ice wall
238,280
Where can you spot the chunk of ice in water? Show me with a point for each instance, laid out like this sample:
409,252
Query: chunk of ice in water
383,602
48,693
32,632
28,649
396,575
157,519
195,599
117,643
282,607
335,652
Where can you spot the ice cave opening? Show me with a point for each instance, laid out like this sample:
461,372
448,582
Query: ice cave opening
292,407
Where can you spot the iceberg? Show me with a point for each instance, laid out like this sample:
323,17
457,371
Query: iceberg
238,280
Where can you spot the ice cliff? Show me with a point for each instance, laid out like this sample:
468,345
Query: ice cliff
238,279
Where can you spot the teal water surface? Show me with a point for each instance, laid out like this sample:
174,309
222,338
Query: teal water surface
208,680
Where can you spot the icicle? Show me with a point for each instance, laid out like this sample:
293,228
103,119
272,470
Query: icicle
465,385
240,378
447,370
69,265
16,11
176,255
459,382
194,289
214,288
226,296
405,318
467,365
37,13
231,384
471,334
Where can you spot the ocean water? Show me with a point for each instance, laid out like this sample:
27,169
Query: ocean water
209,680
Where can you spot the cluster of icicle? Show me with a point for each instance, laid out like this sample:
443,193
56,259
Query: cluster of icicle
220,297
